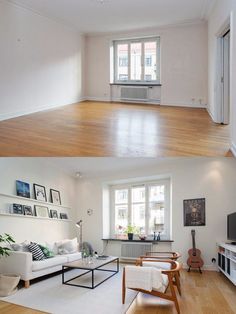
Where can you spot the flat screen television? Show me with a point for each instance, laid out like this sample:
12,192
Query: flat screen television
231,227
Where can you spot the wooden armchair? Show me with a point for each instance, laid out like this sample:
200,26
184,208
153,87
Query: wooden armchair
163,255
171,274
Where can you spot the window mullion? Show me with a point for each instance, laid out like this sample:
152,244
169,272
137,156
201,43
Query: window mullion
146,210
142,61
129,62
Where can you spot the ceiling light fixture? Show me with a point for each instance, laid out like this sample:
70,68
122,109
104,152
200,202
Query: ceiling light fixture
78,175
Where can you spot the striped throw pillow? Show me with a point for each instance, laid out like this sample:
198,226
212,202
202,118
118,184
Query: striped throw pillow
36,251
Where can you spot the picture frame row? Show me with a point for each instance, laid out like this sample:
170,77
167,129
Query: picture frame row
37,211
23,190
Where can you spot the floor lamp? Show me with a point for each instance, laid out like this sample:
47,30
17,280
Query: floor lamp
79,226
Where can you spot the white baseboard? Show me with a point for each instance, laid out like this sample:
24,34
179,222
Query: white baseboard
211,115
183,104
100,99
233,148
25,112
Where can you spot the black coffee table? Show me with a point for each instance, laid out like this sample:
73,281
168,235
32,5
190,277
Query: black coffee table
95,265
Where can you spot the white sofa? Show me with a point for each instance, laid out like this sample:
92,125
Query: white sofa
22,264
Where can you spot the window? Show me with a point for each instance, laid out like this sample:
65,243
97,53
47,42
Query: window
137,60
145,206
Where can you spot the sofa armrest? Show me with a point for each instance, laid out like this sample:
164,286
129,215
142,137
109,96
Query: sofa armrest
18,263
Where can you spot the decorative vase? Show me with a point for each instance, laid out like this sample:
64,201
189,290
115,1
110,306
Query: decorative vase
8,284
130,236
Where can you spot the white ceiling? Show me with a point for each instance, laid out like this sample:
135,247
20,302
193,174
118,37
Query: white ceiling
104,166
92,16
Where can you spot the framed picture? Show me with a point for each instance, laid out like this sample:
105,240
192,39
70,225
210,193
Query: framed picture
53,214
40,193
28,210
17,209
194,212
55,197
41,211
63,216
22,189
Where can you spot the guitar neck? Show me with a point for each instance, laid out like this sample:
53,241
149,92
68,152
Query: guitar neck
194,243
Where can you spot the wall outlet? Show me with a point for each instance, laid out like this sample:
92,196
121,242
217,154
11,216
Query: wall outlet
213,260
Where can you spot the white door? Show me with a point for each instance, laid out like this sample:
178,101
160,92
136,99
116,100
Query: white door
226,80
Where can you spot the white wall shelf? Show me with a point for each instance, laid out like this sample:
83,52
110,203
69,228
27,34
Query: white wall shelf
227,260
35,217
32,200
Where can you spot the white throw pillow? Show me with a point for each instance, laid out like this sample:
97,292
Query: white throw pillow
68,246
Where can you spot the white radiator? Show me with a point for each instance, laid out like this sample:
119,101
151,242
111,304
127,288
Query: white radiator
135,249
134,93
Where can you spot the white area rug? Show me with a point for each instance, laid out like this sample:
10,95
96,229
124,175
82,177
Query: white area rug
51,296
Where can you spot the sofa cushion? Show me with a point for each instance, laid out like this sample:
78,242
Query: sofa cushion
159,265
73,257
68,247
36,251
20,247
47,253
47,263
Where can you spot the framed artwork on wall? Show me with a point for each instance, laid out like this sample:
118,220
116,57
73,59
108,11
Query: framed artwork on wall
40,193
41,211
17,209
55,197
53,214
194,212
28,210
22,189
63,216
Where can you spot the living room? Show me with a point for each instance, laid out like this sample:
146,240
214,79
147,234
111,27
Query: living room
82,192
68,69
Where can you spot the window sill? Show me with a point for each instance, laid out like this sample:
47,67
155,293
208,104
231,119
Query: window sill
136,84
147,241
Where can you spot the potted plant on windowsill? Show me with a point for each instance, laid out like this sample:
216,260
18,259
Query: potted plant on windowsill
130,232
8,282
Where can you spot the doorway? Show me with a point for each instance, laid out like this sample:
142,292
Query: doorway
225,79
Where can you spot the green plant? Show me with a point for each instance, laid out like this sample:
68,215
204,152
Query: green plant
5,239
131,229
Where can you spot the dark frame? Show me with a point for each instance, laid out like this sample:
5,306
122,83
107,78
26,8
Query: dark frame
53,214
17,209
28,211
35,192
194,212
63,216
22,189
53,199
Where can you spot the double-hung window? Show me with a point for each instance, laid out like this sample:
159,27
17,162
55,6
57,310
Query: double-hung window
145,206
137,60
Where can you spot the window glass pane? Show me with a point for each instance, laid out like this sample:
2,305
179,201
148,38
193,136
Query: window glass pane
121,196
138,216
136,69
157,193
150,64
138,194
121,218
156,217
122,62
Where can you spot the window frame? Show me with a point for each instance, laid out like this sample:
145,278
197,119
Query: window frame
142,40
146,184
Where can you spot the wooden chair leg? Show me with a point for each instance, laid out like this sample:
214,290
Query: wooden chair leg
172,289
27,283
178,283
123,287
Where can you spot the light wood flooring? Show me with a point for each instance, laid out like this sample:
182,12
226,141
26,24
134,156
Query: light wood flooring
209,293
114,129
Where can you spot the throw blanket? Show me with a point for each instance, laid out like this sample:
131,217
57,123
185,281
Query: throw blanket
146,278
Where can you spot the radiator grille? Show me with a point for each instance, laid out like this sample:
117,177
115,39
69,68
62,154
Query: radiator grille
134,93
135,249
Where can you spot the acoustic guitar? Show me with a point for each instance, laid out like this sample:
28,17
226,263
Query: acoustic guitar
194,260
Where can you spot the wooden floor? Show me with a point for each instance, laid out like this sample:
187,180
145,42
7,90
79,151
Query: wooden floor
209,293
121,130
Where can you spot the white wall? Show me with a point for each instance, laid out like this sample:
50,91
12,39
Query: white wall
40,62
223,11
183,64
34,170
212,178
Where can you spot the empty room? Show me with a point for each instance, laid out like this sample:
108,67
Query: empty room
117,78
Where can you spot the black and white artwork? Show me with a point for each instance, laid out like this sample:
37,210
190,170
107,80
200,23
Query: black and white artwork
41,211
17,209
63,216
53,214
55,197
194,212
40,193
28,210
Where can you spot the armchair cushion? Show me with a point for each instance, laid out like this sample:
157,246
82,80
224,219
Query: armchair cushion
157,264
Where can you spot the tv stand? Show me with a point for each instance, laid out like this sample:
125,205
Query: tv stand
232,243
227,260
